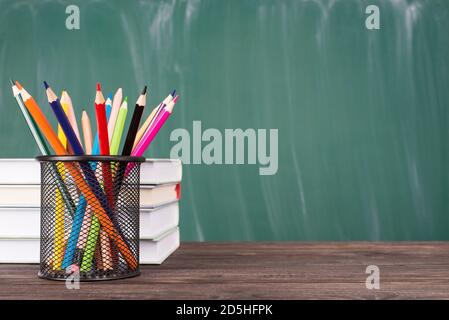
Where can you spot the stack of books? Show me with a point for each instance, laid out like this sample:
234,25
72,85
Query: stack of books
20,210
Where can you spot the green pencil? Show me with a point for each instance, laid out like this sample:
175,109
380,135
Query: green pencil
118,129
38,137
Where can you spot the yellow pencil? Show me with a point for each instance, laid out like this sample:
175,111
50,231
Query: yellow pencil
59,209
66,103
61,135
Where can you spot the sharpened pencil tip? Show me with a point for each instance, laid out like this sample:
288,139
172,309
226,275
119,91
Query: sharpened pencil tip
19,86
46,85
175,99
173,93
110,96
126,99
144,90
12,82
98,86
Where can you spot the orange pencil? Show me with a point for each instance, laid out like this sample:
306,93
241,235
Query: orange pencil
41,121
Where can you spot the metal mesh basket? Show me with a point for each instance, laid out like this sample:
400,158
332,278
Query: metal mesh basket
89,217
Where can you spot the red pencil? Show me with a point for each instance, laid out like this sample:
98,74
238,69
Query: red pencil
102,123
102,127
103,139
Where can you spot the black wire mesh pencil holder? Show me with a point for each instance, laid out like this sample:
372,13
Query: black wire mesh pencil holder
89,217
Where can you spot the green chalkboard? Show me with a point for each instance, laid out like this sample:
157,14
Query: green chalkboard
362,115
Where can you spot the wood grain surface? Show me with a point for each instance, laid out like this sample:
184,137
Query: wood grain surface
282,270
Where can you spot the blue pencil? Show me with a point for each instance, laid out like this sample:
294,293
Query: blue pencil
74,234
108,106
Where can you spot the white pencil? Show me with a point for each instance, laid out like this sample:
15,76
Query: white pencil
116,102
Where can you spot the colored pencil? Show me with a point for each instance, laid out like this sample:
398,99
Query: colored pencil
104,143
108,107
74,234
63,121
102,125
103,138
87,132
87,245
118,129
58,241
116,103
66,103
96,145
90,238
97,255
78,217
82,238
91,245
106,261
134,125
59,130
105,244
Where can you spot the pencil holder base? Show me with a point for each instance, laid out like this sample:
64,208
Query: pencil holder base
89,277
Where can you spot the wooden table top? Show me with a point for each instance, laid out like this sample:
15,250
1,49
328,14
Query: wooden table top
281,270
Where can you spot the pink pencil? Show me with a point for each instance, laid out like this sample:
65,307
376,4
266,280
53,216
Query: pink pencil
151,132
149,135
